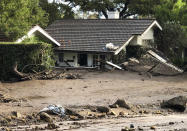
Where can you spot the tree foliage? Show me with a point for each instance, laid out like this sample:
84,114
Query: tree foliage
171,41
125,7
18,16
57,10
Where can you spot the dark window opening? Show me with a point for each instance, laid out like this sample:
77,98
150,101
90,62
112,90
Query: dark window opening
61,57
82,59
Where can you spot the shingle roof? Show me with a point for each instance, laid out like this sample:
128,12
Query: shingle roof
93,35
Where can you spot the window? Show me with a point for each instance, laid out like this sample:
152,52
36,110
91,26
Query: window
61,57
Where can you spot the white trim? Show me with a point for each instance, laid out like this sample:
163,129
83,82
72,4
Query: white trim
42,31
122,47
153,24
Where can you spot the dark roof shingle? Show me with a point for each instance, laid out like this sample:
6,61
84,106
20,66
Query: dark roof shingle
93,35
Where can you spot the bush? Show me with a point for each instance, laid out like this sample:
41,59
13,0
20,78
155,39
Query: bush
24,54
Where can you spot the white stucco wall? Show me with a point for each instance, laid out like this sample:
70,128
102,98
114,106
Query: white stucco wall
139,39
90,60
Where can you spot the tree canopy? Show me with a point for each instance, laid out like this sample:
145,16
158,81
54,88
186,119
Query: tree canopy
18,16
125,7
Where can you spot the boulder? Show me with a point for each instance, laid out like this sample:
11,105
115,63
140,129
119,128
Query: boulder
176,103
103,109
121,103
44,116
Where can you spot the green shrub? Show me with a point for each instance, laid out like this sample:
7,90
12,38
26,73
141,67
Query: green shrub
24,54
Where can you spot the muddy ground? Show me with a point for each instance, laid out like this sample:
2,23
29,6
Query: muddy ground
101,89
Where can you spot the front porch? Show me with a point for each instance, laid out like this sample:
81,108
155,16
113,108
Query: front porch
81,59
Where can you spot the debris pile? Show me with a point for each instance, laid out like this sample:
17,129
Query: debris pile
6,99
153,63
54,75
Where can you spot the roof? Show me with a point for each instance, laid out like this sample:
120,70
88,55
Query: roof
40,30
93,35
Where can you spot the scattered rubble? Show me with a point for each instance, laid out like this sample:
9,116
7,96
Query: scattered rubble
176,103
52,126
16,114
44,116
6,99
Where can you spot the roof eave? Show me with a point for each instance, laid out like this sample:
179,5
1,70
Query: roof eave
42,31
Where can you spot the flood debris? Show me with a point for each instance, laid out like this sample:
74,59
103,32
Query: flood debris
7,99
153,62
52,126
45,117
113,65
176,103
54,109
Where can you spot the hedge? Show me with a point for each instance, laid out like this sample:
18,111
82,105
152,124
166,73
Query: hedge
24,54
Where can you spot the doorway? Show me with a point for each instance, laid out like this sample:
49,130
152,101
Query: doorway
82,59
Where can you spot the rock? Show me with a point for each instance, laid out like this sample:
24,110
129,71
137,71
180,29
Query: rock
125,129
128,129
153,127
131,125
16,114
73,113
74,118
176,103
171,123
44,116
121,103
103,109
140,128
122,114
52,126
113,113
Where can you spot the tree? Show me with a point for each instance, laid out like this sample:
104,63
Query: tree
53,10
18,16
125,7
171,11
171,41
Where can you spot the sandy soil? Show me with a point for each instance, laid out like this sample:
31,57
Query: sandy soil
95,88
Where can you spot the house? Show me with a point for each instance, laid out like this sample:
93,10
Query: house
85,43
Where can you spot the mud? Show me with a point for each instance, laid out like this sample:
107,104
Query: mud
101,89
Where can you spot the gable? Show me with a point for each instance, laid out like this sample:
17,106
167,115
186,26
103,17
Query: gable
38,29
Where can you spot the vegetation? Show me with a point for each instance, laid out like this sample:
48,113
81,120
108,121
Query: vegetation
18,16
22,55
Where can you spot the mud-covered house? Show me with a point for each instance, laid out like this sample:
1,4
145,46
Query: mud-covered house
86,43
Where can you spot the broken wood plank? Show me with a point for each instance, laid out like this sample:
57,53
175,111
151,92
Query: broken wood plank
114,65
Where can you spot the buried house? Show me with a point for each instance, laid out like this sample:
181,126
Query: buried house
84,43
